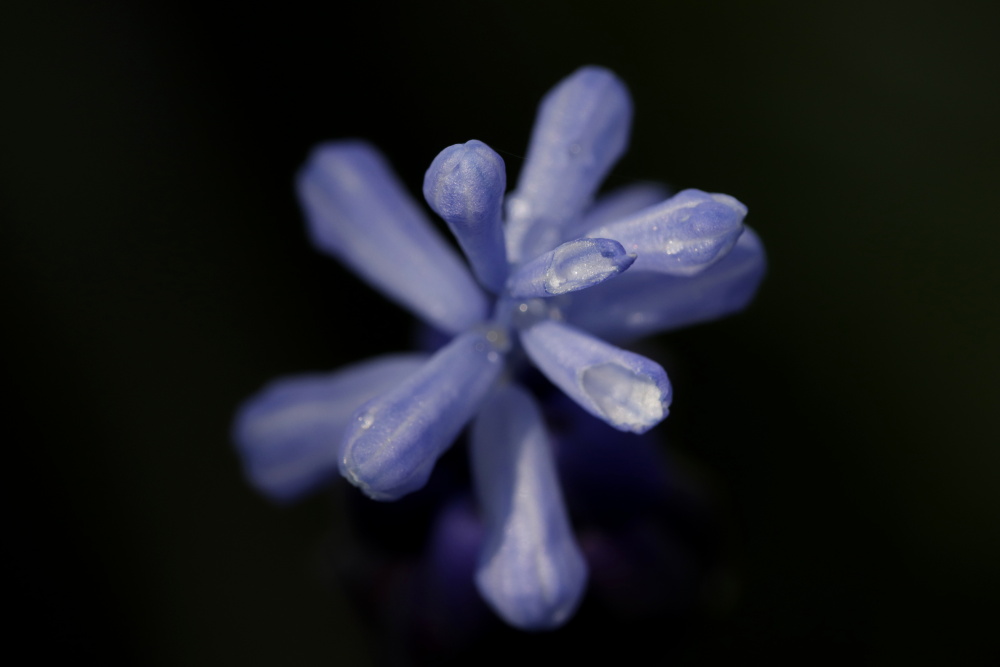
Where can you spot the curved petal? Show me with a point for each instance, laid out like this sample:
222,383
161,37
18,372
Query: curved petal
394,440
465,186
639,304
581,130
681,236
359,212
625,389
289,433
573,266
530,569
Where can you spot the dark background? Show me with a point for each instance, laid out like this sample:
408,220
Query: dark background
156,272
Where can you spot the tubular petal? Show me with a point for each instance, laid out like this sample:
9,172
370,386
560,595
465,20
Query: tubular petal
616,205
465,185
625,389
289,433
581,130
683,235
358,211
572,266
530,569
638,304
394,440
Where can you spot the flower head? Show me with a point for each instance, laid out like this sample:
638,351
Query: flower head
557,280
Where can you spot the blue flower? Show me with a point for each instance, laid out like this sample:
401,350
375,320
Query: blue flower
557,281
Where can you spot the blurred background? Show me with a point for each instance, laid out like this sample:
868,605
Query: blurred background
156,272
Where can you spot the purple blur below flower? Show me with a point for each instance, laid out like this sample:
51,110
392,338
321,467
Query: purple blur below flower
555,276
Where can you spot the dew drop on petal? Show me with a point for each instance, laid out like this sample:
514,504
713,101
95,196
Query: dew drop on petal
624,396
579,264
673,246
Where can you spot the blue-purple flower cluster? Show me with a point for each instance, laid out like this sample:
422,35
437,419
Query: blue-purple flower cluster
557,280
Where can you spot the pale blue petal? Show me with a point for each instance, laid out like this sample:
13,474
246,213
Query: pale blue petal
681,236
394,440
289,433
358,211
465,186
581,130
639,304
625,389
572,266
530,570
615,206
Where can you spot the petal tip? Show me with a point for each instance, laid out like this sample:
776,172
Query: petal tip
628,399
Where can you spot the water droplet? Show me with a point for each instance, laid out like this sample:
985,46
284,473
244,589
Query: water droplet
583,263
626,398
673,246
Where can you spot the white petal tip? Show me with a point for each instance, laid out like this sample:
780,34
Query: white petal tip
628,400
